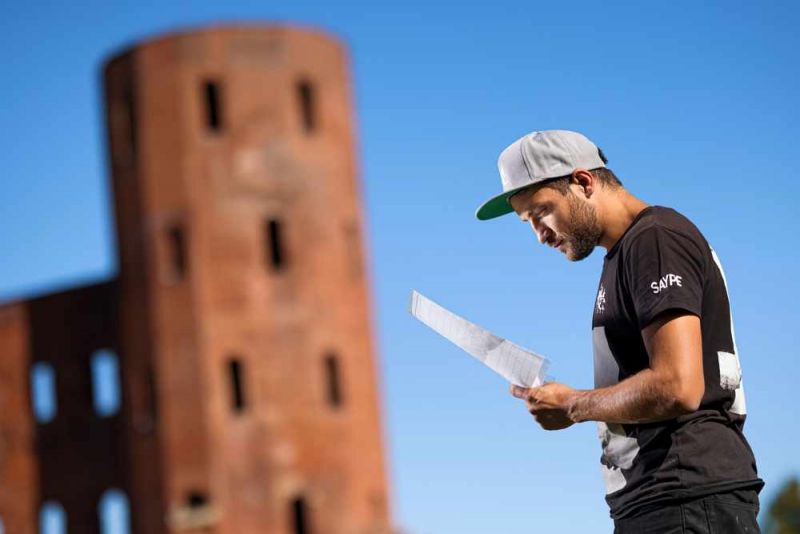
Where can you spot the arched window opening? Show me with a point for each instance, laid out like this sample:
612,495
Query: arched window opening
114,513
105,383
52,519
43,392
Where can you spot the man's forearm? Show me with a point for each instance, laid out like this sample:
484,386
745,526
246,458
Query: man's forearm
642,398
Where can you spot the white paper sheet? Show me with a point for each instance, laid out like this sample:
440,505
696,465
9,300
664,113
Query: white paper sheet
514,363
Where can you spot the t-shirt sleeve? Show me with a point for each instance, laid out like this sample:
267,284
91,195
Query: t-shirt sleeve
664,270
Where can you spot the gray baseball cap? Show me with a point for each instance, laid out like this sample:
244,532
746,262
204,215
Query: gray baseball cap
537,157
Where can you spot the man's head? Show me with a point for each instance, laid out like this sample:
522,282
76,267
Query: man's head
563,211
553,179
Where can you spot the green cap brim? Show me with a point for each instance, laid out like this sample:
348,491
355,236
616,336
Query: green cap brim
499,205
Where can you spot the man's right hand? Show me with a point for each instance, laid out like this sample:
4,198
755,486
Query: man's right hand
552,419
542,405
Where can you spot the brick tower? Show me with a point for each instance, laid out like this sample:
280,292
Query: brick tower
240,316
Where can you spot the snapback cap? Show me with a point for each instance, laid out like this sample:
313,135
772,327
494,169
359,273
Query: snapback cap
537,157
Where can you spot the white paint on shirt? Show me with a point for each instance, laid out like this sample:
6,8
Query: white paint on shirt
619,450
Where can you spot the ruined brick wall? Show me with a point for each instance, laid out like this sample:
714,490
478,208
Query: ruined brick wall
19,487
66,450
240,322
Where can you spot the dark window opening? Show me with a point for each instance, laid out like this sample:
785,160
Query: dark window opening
377,503
353,249
213,109
52,518
274,245
114,513
300,516
43,392
129,102
106,383
333,381
196,499
177,251
305,94
152,395
236,373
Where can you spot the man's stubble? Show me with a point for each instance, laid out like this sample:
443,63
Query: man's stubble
584,232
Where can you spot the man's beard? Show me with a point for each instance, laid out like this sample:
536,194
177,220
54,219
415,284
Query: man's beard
584,232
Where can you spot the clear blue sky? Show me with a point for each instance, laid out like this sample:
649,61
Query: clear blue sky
695,104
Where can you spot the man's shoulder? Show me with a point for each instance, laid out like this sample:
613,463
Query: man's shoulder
661,219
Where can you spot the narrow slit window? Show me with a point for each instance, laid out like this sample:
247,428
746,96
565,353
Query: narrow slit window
105,383
2,528
300,516
276,256
333,381
305,96
129,103
211,92
43,392
177,252
52,519
236,377
351,235
114,512
152,394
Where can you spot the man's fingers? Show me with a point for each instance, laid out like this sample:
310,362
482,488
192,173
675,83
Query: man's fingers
545,418
519,391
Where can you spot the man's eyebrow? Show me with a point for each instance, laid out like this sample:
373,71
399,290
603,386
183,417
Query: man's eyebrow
525,214
538,208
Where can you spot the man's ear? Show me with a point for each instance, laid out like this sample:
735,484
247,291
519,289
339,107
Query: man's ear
585,180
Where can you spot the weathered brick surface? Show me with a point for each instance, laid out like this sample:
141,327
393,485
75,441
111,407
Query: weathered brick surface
19,484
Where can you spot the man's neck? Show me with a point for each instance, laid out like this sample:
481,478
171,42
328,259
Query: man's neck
619,210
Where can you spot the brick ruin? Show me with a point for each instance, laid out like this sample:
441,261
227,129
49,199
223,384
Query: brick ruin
238,329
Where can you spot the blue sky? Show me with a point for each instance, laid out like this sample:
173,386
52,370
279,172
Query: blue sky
695,105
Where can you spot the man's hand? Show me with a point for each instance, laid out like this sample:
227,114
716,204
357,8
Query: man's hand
549,404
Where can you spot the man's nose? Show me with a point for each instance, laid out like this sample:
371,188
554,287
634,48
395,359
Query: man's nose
540,230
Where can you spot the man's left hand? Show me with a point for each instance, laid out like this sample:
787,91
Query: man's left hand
549,404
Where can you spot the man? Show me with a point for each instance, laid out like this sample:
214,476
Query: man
668,394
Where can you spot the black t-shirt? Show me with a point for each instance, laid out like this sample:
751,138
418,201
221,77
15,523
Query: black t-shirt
662,262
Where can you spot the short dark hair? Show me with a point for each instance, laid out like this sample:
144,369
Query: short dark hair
604,175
